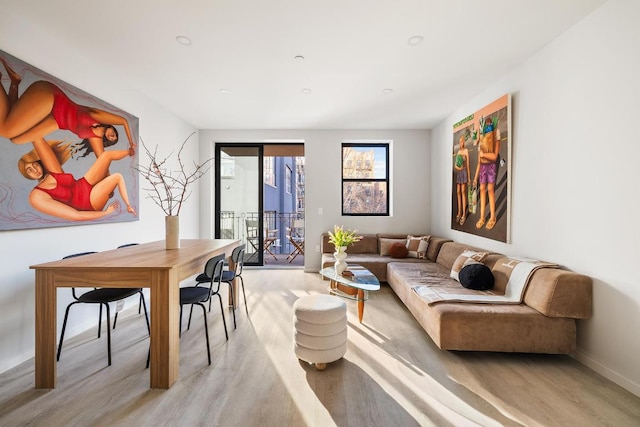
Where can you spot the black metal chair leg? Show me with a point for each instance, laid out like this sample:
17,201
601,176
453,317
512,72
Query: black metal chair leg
64,327
244,294
140,302
206,331
180,334
190,314
146,315
100,321
108,333
224,321
233,305
115,319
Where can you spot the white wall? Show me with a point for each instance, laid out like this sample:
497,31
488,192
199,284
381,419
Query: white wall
410,181
24,248
575,148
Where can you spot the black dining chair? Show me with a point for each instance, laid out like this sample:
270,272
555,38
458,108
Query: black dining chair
203,278
115,318
198,295
237,257
102,296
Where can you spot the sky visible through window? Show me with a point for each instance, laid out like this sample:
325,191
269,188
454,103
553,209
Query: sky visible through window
380,165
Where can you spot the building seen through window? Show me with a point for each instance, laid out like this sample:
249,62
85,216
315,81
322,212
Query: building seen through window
269,169
365,179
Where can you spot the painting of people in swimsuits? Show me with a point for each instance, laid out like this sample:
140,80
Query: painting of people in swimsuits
481,162
67,157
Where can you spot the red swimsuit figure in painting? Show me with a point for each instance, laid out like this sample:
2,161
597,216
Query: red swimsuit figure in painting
59,194
43,108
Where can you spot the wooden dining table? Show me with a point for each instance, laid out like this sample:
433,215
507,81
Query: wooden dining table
148,265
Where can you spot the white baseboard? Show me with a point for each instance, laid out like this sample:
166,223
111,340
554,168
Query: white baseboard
7,364
622,381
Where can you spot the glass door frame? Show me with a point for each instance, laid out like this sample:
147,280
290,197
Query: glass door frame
218,193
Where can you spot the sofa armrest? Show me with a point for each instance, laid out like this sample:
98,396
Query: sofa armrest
560,293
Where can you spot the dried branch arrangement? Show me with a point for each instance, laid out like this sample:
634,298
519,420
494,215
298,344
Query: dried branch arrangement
169,188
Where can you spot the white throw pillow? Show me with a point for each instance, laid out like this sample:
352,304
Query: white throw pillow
417,246
463,258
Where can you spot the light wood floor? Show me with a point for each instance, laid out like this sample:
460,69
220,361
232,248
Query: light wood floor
391,375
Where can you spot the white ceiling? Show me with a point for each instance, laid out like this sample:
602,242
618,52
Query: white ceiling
353,50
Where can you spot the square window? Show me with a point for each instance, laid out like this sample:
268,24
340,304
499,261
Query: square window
365,179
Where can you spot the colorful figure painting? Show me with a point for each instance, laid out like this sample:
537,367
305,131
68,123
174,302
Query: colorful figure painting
66,158
481,189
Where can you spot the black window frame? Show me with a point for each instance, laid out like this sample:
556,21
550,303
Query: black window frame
386,180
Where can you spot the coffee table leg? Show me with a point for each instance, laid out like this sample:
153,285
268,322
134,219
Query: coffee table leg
360,304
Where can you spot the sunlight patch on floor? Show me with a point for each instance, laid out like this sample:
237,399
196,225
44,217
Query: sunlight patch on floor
411,387
404,380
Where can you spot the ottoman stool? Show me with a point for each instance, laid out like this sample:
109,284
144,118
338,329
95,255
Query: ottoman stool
320,329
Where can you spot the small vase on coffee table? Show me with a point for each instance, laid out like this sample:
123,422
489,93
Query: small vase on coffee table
340,255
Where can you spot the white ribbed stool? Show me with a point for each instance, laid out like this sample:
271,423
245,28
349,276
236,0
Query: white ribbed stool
320,329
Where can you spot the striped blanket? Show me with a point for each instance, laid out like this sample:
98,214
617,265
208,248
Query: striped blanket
511,275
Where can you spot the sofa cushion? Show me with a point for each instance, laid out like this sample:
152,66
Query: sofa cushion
417,246
435,243
367,245
449,252
476,275
398,250
385,245
462,258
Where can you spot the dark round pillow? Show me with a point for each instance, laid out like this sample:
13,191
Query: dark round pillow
398,250
476,276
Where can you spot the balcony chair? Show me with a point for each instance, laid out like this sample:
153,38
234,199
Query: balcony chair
253,237
102,296
295,234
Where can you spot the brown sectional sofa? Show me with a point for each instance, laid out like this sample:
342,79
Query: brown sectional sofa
367,253
545,322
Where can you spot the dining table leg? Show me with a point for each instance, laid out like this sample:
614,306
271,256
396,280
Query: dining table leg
165,318
46,322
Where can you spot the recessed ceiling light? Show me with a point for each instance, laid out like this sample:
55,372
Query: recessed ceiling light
387,90
183,40
299,58
415,40
224,90
306,90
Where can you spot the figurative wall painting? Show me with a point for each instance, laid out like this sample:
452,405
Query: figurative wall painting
67,158
481,188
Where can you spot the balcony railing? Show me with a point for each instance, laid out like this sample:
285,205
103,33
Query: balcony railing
233,226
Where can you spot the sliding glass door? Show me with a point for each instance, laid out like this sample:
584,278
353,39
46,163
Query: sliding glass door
260,200
239,197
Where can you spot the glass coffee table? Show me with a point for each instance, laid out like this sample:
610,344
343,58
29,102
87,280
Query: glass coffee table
355,286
